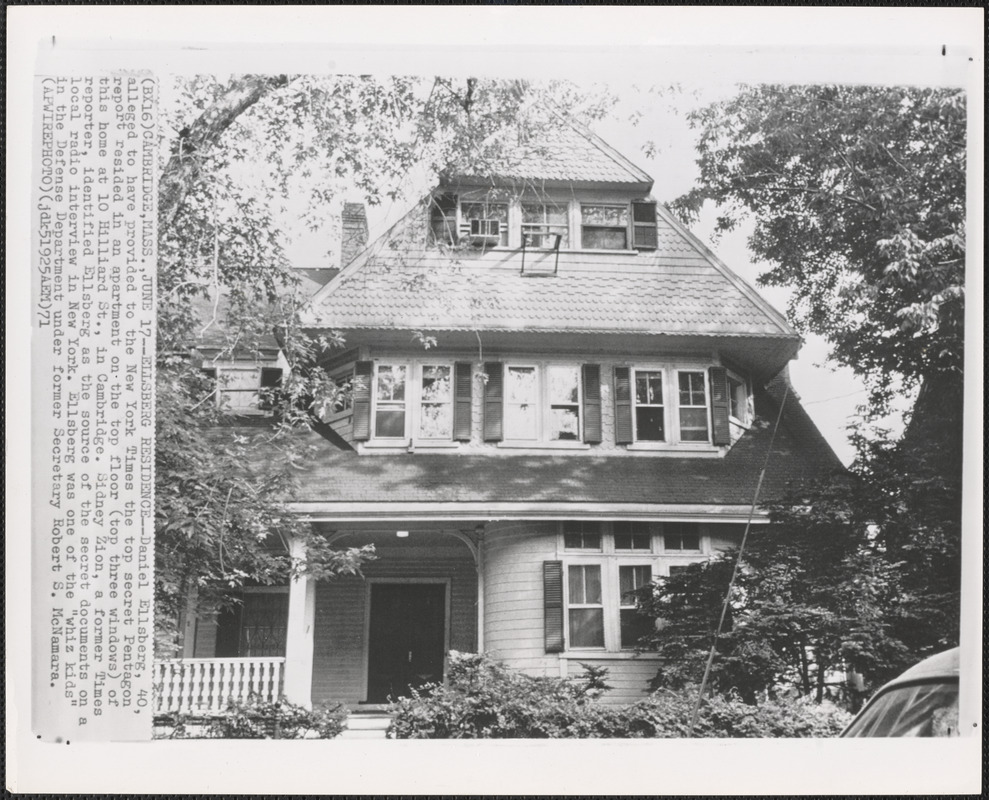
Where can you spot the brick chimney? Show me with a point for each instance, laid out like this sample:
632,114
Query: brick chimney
353,234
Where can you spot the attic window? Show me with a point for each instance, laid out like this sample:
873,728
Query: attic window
493,212
604,227
540,221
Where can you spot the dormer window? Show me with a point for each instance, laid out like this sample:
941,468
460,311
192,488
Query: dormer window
604,227
478,219
244,388
540,221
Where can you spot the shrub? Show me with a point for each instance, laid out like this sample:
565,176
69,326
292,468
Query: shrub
485,700
258,719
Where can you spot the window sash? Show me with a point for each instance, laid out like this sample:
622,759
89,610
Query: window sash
563,415
678,535
436,402
539,220
692,403
390,392
604,226
521,402
585,606
649,406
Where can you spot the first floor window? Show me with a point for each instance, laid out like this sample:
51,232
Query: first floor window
564,402
633,625
693,407
389,418
586,610
521,403
604,227
254,628
632,536
582,536
681,537
650,415
436,415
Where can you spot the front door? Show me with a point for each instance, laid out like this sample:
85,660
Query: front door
406,638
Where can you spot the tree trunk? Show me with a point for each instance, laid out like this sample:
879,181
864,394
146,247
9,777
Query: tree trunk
185,163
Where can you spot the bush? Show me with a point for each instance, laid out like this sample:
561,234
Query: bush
485,700
258,719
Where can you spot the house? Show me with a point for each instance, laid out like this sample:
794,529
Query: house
559,395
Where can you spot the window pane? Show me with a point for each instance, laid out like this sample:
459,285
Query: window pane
435,384
634,626
632,536
520,422
391,383
681,536
631,578
521,386
390,422
563,383
693,424
582,541
649,424
604,238
649,388
692,389
586,627
585,584
604,215
564,424
436,421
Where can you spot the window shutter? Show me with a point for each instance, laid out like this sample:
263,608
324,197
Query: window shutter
493,401
553,605
720,406
623,405
462,384
591,374
443,219
362,401
644,236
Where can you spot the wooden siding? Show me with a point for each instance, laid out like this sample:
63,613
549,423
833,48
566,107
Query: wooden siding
339,647
628,677
513,594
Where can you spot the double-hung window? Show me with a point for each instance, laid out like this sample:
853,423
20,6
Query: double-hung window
650,412
542,223
693,406
436,402
390,397
632,625
563,387
586,607
522,403
604,227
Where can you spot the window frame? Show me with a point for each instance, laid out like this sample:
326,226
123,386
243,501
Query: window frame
569,605
463,221
627,206
526,227
548,404
375,434
611,560
537,402
735,378
703,372
664,373
666,550
419,368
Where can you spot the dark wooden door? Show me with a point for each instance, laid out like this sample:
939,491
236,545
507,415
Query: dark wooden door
406,639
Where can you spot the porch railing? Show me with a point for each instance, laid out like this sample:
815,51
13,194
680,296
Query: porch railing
204,685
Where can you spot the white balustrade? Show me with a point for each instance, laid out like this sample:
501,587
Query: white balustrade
206,685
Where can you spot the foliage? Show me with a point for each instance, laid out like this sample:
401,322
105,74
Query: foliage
815,596
485,700
858,198
258,719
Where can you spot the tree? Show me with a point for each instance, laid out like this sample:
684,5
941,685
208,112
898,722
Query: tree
247,159
857,195
813,600
858,199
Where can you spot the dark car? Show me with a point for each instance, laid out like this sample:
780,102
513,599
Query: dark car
923,701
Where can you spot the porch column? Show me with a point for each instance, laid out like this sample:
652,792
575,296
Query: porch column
188,626
299,635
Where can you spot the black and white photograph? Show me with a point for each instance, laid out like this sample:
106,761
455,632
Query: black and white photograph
619,404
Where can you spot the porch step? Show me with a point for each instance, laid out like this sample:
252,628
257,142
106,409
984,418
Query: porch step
366,726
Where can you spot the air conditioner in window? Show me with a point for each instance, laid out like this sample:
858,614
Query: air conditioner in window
485,231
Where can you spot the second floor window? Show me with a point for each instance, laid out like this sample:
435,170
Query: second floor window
436,409
693,407
389,415
650,414
564,402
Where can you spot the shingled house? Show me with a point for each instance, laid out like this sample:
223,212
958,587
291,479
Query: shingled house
592,414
